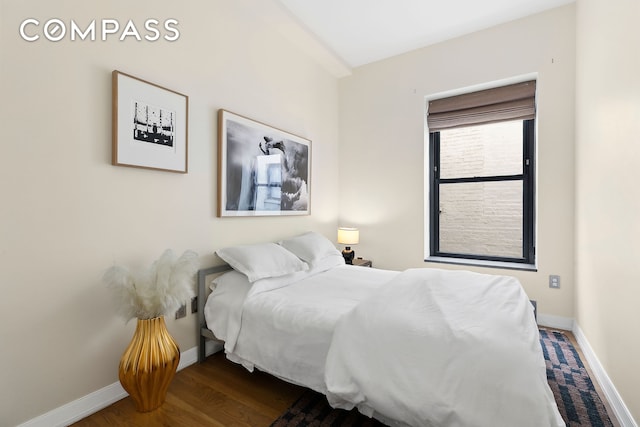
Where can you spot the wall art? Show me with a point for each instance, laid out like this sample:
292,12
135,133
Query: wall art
150,125
262,170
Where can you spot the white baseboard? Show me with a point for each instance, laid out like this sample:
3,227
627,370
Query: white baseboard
556,322
80,408
621,412
93,402
188,358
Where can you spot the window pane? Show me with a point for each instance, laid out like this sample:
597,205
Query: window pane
486,150
481,218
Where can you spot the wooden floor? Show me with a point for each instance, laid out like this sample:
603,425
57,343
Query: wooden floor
214,393
221,393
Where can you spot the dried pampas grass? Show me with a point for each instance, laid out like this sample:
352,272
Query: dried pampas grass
159,291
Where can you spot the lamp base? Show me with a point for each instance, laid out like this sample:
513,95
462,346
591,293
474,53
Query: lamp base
348,254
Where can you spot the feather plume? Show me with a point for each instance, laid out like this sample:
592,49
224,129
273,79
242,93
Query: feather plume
158,291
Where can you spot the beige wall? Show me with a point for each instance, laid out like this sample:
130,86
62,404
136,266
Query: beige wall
382,148
67,214
608,196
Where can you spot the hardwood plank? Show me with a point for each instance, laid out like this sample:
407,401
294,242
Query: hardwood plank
216,393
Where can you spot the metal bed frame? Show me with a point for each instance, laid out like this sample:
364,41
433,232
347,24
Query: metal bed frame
204,333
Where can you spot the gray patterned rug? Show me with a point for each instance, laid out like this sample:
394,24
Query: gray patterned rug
568,378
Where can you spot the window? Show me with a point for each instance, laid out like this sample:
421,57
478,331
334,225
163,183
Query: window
481,186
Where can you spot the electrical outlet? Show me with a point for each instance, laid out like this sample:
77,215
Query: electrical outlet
181,312
194,305
554,281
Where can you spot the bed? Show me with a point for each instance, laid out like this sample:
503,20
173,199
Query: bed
421,347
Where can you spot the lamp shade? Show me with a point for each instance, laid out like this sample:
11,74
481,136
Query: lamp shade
348,236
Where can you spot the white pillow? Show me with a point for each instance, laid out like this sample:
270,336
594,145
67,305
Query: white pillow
230,278
326,263
261,260
310,246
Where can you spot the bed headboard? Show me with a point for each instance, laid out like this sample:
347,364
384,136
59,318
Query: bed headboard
203,333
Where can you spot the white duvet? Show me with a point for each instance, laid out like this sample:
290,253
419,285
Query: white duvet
436,348
286,330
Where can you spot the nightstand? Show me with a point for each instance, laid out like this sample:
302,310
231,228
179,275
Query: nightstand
362,262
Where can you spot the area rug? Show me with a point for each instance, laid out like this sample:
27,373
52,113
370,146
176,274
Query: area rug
575,395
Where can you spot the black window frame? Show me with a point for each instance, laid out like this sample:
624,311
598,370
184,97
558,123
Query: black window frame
528,195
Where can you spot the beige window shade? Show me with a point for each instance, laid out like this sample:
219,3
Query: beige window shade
513,102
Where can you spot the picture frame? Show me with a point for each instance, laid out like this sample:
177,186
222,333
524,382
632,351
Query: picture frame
150,125
262,170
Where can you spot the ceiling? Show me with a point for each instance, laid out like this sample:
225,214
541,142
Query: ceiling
359,32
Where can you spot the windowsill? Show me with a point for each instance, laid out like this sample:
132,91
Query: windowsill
483,263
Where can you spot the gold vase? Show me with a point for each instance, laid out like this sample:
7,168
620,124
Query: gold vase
149,364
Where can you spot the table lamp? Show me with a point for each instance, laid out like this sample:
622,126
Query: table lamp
348,236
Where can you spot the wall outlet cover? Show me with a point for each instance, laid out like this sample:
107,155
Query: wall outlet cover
181,312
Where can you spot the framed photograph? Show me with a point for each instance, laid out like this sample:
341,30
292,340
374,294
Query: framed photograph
149,125
262,170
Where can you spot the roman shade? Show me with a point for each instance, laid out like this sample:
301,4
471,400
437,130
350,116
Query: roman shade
513,102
